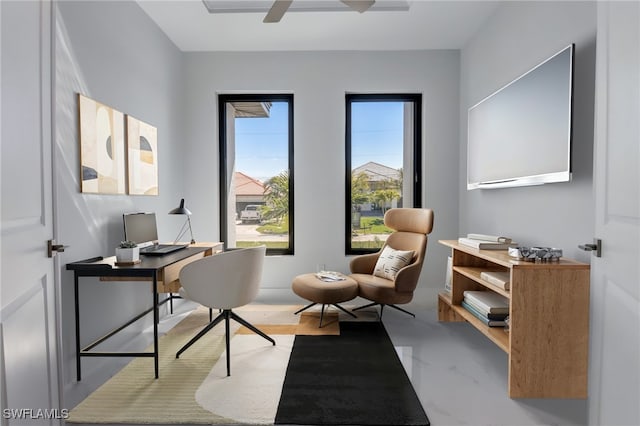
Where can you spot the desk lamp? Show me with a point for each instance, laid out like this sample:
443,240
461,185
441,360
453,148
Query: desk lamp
187,224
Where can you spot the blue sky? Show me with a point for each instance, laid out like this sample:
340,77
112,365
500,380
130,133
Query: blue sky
376,133
261,143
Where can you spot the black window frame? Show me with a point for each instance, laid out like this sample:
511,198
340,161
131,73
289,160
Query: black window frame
350,98
223,99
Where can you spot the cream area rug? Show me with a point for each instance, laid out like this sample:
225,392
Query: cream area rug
195,388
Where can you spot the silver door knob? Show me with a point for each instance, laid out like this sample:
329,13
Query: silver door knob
53,248
596,247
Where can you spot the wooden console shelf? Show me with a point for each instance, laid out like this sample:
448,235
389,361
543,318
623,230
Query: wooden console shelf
548,337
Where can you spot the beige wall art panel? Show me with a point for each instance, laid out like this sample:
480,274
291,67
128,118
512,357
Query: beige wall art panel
102,154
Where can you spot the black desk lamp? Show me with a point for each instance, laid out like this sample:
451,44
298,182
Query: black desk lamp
187,224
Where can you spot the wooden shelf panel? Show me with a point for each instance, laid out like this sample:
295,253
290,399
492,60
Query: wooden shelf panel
502,258
474,274
496,334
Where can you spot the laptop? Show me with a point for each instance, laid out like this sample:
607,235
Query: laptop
142,228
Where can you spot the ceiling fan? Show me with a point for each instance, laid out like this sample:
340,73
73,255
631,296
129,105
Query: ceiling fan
280,7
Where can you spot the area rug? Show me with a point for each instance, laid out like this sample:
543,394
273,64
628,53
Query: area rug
355,378
195,389
133,396
179,395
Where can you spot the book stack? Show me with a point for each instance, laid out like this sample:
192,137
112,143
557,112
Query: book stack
487,242
489,307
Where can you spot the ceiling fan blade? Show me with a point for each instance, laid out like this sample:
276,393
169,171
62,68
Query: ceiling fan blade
359,5
277,11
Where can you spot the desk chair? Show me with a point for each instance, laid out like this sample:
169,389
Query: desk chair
224,281
390,276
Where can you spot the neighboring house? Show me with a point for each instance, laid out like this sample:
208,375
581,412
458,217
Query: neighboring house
248,191
378,174
379,177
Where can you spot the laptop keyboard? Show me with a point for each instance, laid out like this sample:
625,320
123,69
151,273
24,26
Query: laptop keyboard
162,248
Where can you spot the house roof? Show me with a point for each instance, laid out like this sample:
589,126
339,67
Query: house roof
246,185
377,172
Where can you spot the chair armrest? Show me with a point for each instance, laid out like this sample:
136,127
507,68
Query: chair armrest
364,264
407,278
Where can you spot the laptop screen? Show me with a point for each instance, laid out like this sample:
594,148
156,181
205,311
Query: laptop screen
140,227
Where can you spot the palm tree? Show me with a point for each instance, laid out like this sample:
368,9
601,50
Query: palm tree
385,196
276,195
360,192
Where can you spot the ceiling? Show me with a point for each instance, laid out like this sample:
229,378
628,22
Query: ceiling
427,24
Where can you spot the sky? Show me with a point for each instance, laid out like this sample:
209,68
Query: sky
261,143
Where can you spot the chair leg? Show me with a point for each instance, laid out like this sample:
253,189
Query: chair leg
251,327
337,306
382,305
365,306
226,313
200,334
344,310
321,316
305,308
401,310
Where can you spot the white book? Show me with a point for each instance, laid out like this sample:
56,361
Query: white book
485,237
447,280
498,278
488,301
485,245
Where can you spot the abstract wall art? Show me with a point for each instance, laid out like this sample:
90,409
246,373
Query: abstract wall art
142,150
102,150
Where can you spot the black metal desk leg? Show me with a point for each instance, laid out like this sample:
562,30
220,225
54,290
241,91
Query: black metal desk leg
77,315
155,322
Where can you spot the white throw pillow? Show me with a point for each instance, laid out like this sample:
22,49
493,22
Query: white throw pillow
391,261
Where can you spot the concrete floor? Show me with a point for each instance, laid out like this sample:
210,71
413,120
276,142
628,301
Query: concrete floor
459,375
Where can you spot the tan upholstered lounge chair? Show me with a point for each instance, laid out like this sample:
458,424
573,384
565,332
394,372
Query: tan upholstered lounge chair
411,226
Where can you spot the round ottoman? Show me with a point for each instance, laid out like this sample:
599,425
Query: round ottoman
310,287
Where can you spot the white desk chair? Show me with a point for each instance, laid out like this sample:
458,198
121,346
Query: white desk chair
224,281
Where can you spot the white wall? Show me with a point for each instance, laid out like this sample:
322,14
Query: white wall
113,53
517,37
319,81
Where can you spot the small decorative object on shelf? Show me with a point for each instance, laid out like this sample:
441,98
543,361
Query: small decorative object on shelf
127,253
536,254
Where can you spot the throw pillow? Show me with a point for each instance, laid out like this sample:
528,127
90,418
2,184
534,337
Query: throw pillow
391,261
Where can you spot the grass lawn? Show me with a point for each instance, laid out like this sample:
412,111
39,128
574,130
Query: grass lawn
368,226
269,244
372,225
274,228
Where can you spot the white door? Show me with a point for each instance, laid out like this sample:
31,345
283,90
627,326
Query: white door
615,346
28,361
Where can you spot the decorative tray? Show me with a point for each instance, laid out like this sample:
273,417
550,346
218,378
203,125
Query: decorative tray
536,254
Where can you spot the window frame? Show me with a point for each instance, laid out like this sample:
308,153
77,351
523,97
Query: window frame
224,99
416,100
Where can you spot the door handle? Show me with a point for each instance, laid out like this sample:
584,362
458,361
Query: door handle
53,248
596,247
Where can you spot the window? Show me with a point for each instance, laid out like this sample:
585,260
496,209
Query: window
256,169
383,156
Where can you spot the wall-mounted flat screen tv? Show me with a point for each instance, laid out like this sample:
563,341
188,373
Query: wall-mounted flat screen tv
521,134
